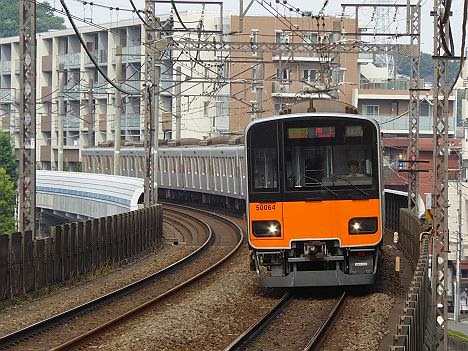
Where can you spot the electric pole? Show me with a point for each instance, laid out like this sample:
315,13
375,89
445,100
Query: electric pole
178,107
151,93
459,241
90,114
413,24
117,110
27,115
60,117
440,237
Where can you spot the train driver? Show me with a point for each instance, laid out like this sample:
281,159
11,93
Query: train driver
353,169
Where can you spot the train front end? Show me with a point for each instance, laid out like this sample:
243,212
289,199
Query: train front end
314,199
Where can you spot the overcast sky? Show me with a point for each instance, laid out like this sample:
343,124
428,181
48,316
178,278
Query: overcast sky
102,15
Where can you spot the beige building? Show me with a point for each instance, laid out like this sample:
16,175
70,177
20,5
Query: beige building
288,76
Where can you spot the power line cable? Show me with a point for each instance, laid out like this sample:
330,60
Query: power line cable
91,57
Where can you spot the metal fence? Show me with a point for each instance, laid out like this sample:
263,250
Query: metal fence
73,250
413,329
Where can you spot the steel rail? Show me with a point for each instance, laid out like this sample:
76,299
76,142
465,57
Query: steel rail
260,324
38,327
320,336
82,339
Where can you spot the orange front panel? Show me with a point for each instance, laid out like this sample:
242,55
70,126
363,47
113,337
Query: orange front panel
266,211
304,220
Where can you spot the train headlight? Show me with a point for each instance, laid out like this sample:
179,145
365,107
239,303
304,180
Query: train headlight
266,228
362,225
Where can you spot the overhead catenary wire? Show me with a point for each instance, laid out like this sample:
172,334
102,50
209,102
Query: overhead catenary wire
462,50
91,57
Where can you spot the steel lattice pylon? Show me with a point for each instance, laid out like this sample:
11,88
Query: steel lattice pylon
439,188
27,115
150,36
414,23
336,47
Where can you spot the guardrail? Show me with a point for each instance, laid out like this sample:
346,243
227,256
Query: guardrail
413,329
73,250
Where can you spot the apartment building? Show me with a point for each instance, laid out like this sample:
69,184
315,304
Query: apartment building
89,99
287,76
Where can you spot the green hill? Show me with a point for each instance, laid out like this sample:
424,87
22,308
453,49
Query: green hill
427,71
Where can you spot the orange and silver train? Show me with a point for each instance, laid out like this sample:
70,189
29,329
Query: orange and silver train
315,199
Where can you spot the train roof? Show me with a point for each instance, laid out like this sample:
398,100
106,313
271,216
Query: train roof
312,114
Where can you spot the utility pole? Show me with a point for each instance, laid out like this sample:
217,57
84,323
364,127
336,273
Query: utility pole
413,24
60,117
151,93
440,237
118,110
459,239
259,86
178,107
27,115
90,114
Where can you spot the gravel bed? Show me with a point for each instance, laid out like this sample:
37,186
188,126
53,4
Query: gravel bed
363,323
208,316
61,299
293,328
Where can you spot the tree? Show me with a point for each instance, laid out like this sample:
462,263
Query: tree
7,203
9,18
7,156
425,66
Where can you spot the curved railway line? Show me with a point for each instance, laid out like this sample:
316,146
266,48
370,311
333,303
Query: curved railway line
88,321
315,330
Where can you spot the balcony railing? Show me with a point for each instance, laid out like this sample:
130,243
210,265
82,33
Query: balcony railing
128,121
99,88
69,60
368,56
71,121
99,55
129,54
132,86
72,91
5,67
7,95
396,123
399,84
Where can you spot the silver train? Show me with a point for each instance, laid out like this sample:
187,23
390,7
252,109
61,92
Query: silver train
212,173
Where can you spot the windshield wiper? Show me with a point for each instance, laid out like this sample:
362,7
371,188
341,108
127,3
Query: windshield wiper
324,186
351,183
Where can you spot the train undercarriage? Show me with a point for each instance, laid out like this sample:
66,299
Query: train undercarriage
316,263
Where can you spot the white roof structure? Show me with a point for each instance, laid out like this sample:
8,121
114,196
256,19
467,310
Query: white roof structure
88,194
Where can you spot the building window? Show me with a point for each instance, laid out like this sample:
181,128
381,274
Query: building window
310,38
278,107
283,75
370,110
337,75
282,37
425,109
205,108
309,75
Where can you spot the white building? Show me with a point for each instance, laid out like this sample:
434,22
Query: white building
88,96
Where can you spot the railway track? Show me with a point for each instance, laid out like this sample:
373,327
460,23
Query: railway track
302,316
77,326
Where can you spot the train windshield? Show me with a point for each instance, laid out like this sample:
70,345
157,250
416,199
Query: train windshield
330,155
264,158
